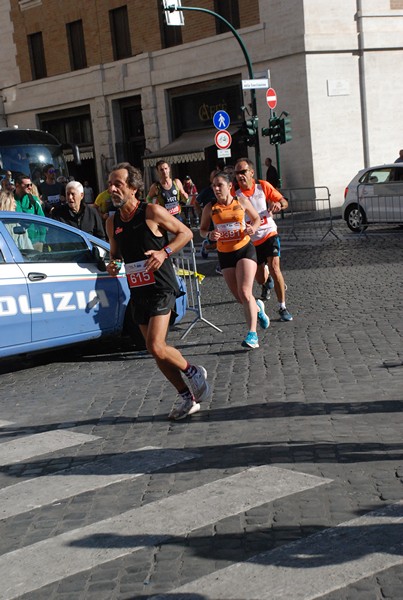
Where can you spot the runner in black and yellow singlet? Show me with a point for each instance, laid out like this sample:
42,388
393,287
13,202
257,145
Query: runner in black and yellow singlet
167,192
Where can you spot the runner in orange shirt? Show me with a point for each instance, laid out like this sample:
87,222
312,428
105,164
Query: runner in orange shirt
236,254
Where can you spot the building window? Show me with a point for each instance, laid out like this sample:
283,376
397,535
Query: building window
120,32
68,128
37,55
229,9
133,144
75,39
26,4
171,35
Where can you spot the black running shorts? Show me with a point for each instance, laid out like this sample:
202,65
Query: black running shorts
271,247
160,304
228,260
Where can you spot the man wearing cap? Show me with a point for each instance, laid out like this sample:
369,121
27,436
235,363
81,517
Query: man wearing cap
51,191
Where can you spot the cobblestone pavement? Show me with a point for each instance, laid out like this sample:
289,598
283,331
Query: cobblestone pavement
297,459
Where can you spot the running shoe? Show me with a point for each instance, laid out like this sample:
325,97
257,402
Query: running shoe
262,318
285,315
265,292
267,286
184,409
203,251
251,340
218,270
198,384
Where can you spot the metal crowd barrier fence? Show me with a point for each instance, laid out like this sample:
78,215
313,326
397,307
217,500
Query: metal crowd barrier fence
186,267
309,213
379,203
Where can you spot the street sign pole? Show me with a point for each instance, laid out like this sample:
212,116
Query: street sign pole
280,183
172,8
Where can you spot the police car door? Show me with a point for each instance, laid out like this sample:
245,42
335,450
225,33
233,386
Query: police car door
70,298
15,320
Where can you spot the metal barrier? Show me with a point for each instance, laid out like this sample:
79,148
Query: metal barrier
309,213
186,267
379,203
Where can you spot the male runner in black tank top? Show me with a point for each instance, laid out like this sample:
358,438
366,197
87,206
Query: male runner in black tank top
138,235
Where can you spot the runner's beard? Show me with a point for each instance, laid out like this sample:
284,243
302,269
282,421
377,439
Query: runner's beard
118,202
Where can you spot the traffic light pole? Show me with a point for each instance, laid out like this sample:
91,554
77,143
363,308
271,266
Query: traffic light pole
250,71
280,183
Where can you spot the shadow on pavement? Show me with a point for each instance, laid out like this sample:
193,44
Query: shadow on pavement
271,410
387,537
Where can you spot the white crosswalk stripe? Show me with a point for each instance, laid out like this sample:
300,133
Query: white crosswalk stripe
311,567
34,493
85,548
24,448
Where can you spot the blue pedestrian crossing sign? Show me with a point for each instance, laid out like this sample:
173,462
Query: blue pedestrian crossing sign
221,119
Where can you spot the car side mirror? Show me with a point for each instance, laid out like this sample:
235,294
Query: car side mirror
98,259
19,230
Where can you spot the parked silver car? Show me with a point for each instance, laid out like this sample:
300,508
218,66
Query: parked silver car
374,195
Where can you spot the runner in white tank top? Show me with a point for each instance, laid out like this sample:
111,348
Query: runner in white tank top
266,200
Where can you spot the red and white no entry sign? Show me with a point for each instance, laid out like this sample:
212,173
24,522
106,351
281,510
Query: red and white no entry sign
223,139
271,98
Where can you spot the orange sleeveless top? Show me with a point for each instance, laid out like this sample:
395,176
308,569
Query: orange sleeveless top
230,222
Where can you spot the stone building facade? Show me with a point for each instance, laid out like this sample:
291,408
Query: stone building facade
110,75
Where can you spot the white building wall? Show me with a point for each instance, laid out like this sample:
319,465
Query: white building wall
353,95
385,116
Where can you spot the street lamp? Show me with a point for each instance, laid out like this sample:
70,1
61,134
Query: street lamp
178,7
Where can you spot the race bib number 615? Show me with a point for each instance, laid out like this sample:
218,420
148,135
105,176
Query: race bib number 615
137,276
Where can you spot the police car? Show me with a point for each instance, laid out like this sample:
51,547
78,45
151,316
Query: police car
54,289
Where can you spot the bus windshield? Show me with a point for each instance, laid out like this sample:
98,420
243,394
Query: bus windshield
28,151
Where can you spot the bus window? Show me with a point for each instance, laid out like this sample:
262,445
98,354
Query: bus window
29,150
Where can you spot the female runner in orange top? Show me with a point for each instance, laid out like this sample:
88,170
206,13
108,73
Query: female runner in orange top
236,253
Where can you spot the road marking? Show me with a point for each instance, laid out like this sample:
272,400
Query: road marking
34,493
85,548
312,567
5,423
29,446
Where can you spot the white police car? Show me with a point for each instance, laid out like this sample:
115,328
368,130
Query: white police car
54,289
